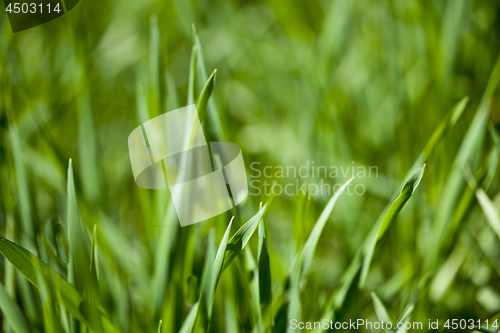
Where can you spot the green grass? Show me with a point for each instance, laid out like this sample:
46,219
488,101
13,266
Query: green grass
400,85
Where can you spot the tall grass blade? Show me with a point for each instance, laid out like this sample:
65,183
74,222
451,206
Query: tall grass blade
211,286
468,156
243,235
380,310
406,193
79,246
213,114
192,77
305,259
201,107
159,326
188,324
489,210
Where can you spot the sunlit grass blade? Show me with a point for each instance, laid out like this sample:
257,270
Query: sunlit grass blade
468,156
230,319
380,310
159,327
79,246
210,279
201,107
210,288
447,273
305,259
192,77
447,123
489,210
213,114
12,314
188,323
249,266
166,239
406,193
243,235
94,260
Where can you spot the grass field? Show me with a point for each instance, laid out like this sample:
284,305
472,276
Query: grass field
406,89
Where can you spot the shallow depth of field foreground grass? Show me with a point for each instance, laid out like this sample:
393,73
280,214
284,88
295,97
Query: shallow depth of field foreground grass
406,89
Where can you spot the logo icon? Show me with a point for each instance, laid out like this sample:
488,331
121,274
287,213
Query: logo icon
196,173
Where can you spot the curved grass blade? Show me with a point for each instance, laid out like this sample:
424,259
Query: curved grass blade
209,282
447,123
242,236
201,107
213,113
303,260
489,210
381,311
209,291
162,258
468,155
188,324
249,266
159,326
79,273
449,120
406,193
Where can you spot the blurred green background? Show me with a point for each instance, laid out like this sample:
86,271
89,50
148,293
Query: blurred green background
341,83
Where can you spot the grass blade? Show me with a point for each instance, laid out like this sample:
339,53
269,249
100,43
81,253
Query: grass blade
242,236
406,193
192,77
309,248
303,260
489,210
79,246
213,113
159,326
201,107
209,291
188,324
380,310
